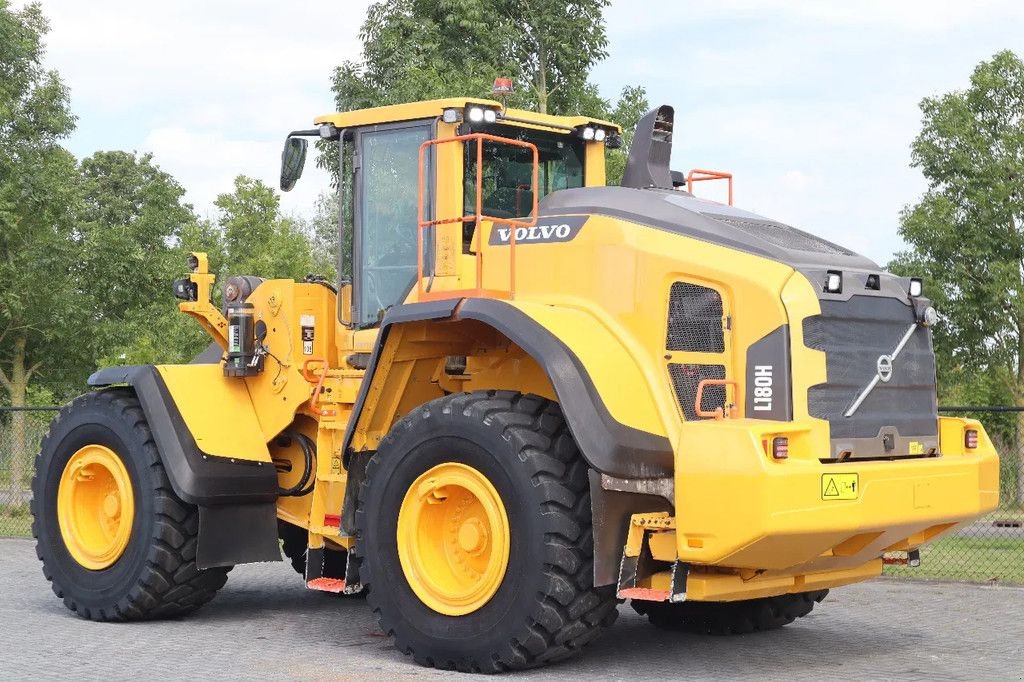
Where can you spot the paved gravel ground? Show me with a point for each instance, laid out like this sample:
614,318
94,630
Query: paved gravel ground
265,625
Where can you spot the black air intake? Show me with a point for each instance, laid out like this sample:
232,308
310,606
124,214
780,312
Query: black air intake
686,378
649,154
694,319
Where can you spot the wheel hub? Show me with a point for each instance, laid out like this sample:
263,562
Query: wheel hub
453,539
95,507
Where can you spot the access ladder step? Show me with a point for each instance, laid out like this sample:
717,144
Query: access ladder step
335,585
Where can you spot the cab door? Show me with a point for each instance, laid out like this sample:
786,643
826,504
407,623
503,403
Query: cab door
385,207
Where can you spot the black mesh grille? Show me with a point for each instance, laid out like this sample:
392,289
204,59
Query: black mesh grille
685,379
694,319
782,235
853,334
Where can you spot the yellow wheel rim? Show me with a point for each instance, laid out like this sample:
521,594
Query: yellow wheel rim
453,539
95,507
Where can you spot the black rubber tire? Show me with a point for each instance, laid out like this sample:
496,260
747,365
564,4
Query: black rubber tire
156,576
730,618
294,545
546,607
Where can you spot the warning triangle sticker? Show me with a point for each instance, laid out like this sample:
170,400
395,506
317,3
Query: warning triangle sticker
831,490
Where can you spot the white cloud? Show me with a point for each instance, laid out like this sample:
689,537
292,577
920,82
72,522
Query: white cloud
904,15
201,157
831,90
812,105
211,88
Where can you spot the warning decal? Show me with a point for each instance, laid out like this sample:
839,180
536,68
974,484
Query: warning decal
840,486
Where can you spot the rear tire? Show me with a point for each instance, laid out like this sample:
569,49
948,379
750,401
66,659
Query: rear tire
730,618
544,607
155,575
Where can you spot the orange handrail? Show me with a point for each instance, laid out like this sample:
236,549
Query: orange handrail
698,175
478,216
317,379
718,412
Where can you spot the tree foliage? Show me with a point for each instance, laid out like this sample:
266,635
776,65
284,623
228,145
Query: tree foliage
37,191
259,240
37,201
427,49
628,111
967,232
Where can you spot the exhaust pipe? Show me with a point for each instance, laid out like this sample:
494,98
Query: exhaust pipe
651,150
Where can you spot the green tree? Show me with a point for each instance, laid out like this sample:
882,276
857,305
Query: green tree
37,199
258,239
132,213
555,43
967,232
628,111
322,229
425,49
132,224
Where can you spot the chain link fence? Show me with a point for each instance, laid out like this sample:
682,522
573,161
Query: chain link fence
991,549
21,430
988,550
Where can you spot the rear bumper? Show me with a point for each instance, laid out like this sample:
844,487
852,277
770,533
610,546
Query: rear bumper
736,507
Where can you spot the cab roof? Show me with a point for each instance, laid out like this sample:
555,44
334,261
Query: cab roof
433,108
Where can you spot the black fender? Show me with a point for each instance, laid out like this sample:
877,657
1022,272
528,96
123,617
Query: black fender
236,500
196,477
609,446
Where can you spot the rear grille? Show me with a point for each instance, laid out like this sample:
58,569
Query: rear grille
853,334
685,379
694,319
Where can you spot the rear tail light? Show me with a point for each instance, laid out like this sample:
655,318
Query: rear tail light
780,447
971,439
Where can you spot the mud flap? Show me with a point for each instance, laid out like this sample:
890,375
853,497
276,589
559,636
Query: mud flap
237,534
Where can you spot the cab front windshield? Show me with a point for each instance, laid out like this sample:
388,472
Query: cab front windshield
508,170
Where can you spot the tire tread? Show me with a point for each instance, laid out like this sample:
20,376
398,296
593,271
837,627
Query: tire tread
170,584
570,612
730,618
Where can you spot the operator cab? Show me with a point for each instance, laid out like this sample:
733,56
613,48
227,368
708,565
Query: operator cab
409,179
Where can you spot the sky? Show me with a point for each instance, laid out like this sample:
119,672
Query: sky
811,105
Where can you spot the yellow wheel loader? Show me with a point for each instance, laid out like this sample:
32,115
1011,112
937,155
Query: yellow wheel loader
537,396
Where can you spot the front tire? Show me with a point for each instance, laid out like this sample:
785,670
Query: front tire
475,535
115,541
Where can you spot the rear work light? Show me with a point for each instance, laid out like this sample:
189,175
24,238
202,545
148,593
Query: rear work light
971,439
834,282
780,447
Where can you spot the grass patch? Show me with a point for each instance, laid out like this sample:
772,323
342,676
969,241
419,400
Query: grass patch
971,559
15,521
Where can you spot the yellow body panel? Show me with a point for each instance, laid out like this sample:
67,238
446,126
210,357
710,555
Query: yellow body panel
778,519
217,411
595,294
432,108
746,524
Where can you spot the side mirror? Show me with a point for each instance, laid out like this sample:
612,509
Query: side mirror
293,158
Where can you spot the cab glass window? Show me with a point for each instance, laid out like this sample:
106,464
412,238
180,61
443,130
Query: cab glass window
386,205
508,170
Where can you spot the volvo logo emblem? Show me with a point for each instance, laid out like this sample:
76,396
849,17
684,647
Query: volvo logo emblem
884,368
883,371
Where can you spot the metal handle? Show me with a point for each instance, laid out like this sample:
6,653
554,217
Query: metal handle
718,413
317,378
